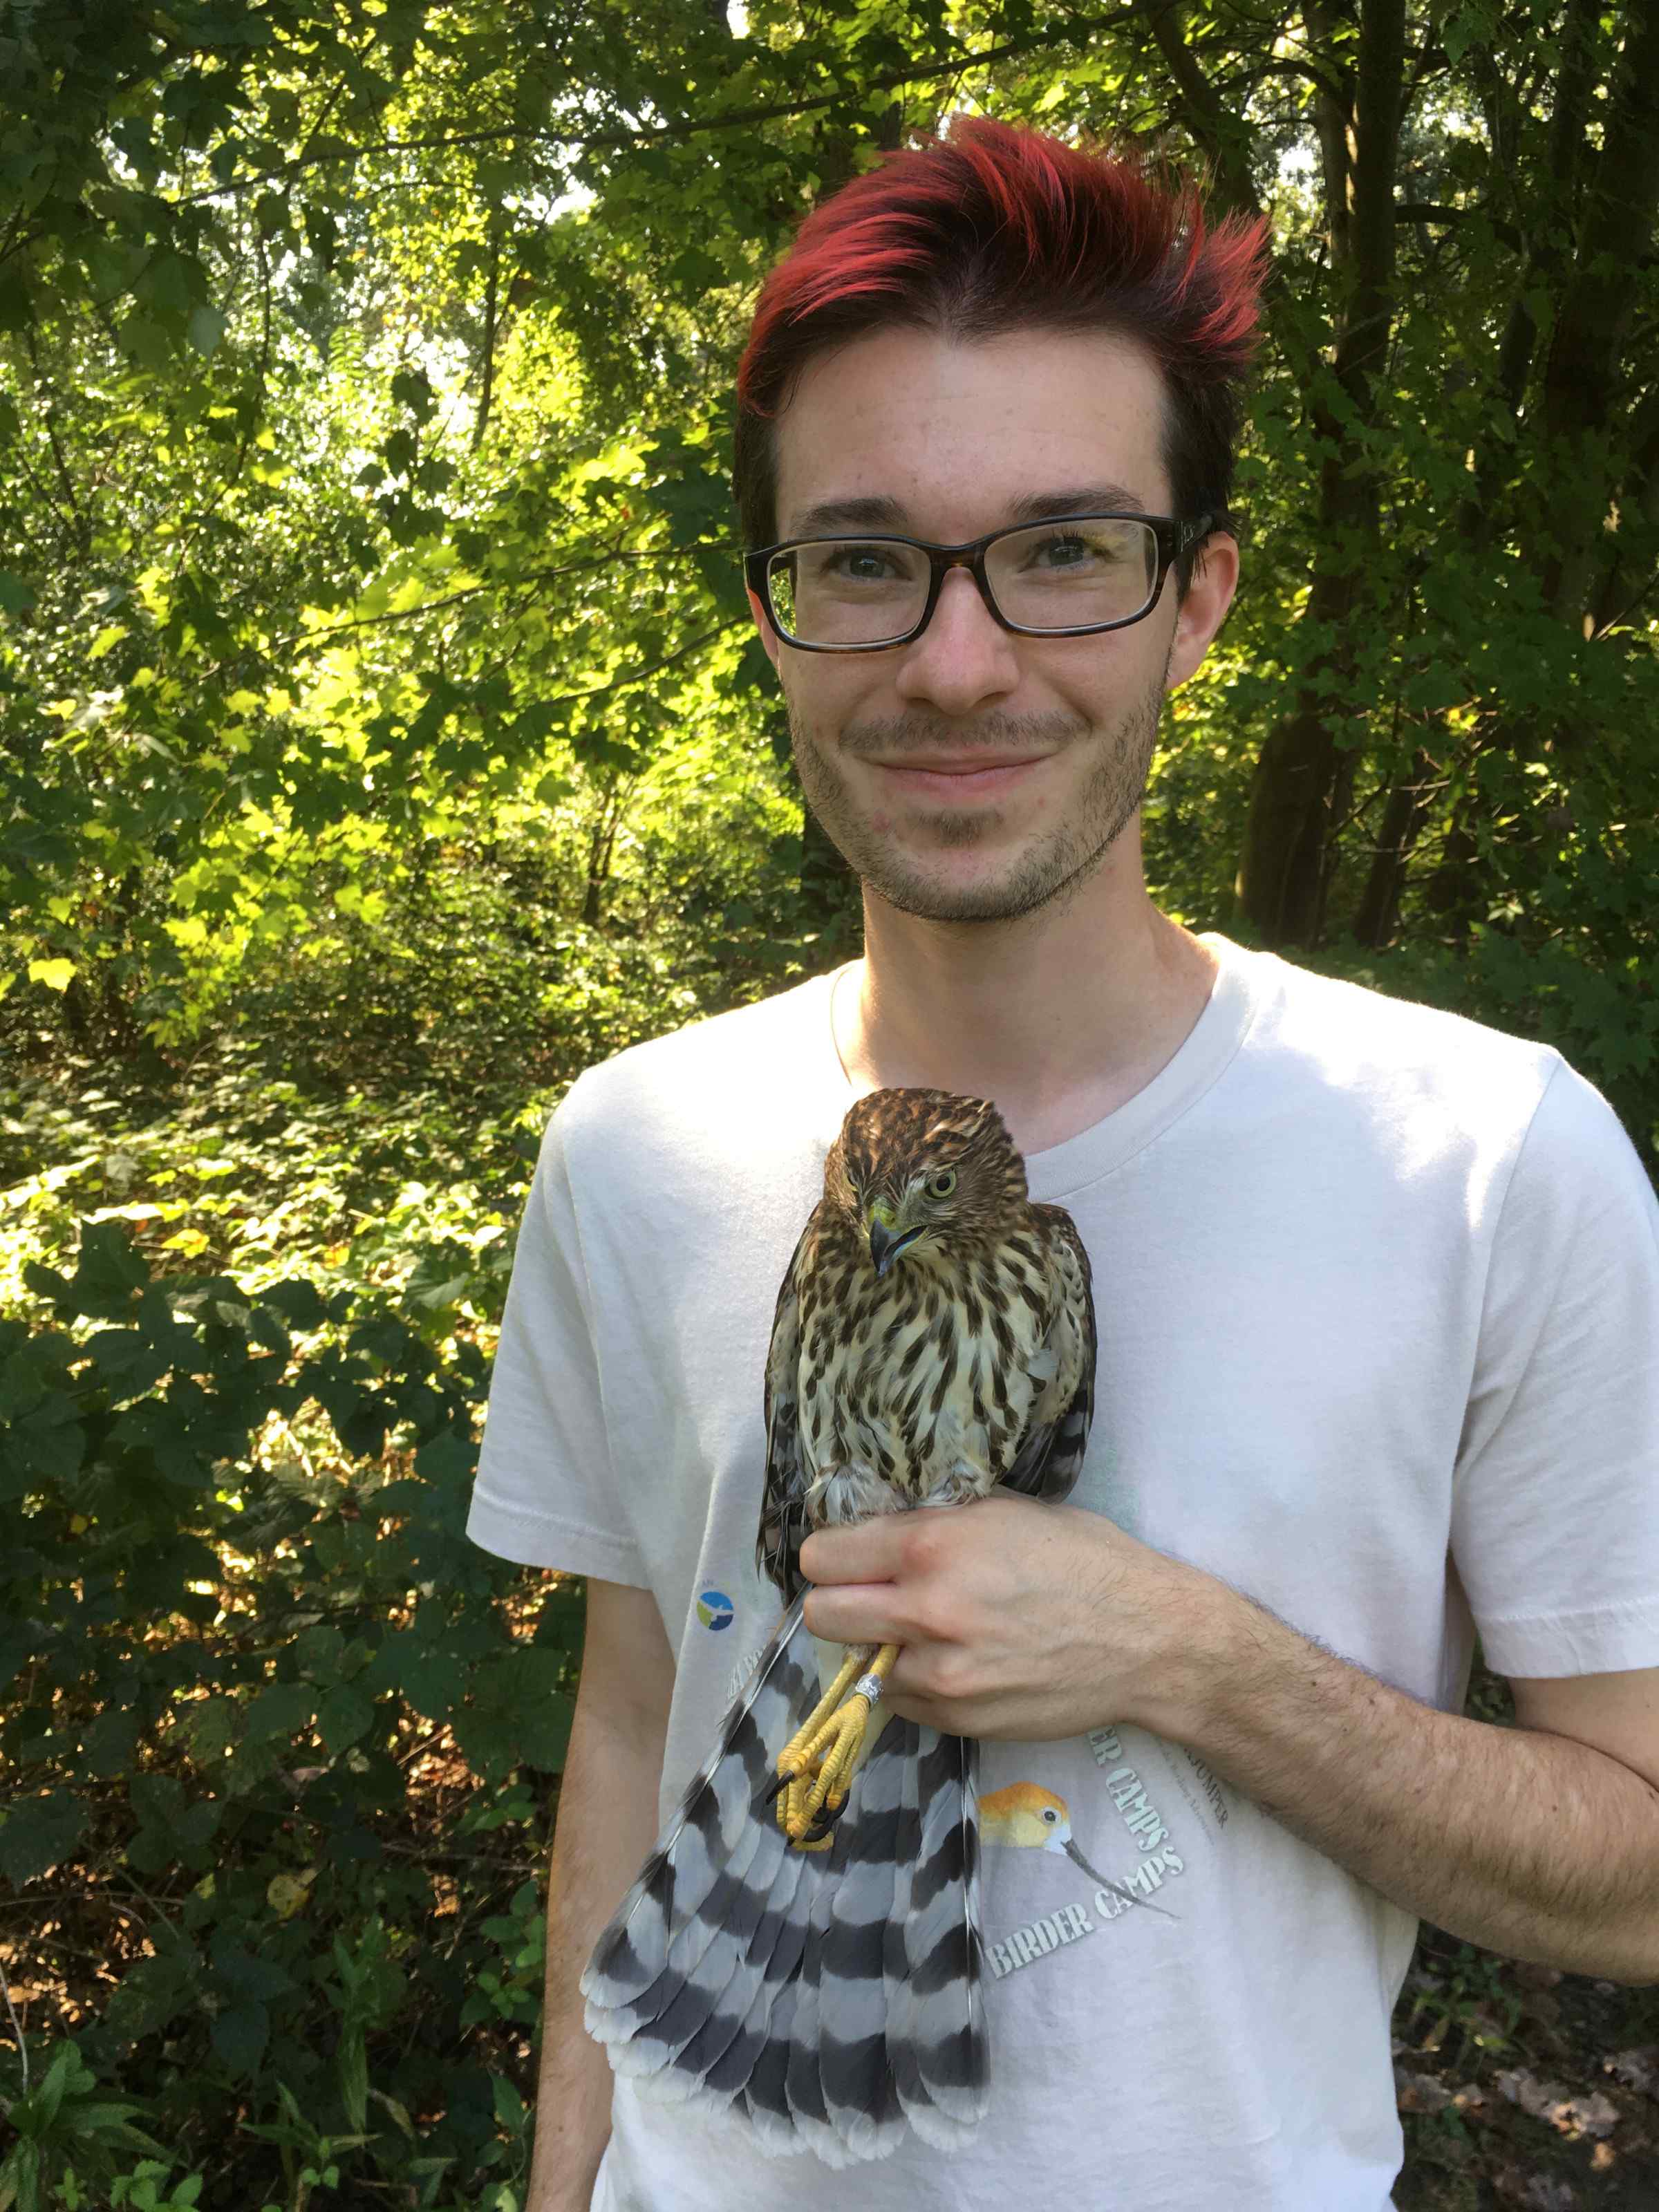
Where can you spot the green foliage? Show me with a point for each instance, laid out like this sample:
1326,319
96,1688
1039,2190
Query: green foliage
365,396
240,1676
1459,1998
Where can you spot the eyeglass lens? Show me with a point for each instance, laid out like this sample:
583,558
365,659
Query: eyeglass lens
864,591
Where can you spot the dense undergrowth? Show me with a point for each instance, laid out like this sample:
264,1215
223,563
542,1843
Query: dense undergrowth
283,1745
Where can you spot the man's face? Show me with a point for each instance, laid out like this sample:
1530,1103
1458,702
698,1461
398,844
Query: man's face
973,775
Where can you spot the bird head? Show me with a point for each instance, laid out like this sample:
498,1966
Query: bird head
1026,1814
924,1174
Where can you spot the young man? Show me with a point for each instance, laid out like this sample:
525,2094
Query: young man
1377,1291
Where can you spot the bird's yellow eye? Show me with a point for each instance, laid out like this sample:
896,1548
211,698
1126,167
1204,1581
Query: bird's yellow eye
942,1184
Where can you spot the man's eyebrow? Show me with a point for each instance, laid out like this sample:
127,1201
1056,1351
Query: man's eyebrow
875,513
880,512
1086,499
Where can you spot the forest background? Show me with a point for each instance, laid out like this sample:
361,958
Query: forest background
384,740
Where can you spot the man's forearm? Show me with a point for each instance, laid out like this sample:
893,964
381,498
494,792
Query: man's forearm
607,1825
1026,1621
1529,1843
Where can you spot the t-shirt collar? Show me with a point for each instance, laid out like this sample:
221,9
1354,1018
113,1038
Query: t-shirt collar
1197,1063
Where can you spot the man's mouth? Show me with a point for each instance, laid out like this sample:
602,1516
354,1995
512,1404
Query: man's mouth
965,775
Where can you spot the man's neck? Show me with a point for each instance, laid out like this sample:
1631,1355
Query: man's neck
1061,1017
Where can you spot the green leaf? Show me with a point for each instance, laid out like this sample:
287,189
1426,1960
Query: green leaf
207,329
344,1716
108,1744
109,1267
48,1442
240,2035
281,1709
38,1833
213,1729
517,1713
299,1302
411,388
17,309
354,2074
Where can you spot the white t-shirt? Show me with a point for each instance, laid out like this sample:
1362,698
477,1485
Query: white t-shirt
1377,1291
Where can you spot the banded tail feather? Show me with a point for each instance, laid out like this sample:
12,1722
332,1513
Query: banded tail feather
828,2001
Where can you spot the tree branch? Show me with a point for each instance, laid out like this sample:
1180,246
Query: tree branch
735,118
306,642
1215,128
1436,211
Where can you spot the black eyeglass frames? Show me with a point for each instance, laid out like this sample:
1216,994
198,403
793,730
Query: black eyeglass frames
1069,576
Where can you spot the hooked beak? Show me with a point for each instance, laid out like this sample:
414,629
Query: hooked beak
886,1242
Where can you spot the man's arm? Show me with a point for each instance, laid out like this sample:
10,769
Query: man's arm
1033,1621
607,1823
1537,1843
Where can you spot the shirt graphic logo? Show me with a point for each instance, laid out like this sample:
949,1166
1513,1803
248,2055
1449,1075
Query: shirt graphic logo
714,1608
1027,1815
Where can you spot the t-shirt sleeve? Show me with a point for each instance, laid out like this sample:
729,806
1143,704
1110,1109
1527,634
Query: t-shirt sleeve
546,1493
1555,1522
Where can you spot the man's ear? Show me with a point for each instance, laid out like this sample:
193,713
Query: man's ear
1215,579
768,636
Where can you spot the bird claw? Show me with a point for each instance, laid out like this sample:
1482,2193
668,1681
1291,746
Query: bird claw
816,1767
824,1826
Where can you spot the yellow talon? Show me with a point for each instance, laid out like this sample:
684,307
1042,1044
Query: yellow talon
816,1765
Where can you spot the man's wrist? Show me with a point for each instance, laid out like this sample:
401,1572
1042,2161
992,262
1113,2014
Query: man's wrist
1211,1650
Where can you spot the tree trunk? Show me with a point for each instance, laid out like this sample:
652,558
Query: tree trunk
1285,864
1627,578
1403,814
1218,127
601,844
1583,375
1584,444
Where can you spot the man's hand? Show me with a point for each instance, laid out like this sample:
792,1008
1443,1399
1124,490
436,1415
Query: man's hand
1015,1618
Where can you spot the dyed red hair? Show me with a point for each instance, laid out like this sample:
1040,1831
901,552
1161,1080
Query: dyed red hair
997,229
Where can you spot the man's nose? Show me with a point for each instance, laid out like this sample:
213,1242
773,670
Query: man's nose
964,657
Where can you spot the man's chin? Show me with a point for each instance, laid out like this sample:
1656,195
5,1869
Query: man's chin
997,897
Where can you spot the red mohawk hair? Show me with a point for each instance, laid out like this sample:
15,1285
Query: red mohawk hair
999,228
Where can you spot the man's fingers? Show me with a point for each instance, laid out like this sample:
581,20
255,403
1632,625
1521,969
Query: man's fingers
854,1613
868,1554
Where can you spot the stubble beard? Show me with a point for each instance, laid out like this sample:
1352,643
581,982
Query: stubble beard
1053,864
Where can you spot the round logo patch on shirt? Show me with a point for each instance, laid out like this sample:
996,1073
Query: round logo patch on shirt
714,1608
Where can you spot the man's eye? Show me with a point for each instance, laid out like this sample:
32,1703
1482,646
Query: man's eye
1070,551
862,564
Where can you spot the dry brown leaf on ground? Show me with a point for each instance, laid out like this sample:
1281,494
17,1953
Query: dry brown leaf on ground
1419,2093
1534,2192
1594,2115
1637,2069
1532,1976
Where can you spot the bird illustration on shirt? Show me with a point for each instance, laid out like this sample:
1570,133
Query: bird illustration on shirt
802,1949
1029,1817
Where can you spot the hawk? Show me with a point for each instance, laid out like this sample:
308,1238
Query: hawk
802,1949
